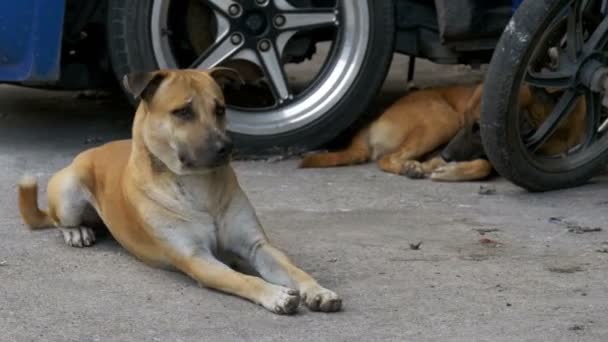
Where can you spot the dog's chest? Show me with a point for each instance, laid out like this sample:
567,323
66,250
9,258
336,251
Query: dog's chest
185,214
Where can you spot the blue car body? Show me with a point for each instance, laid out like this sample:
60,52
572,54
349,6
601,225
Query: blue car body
30,40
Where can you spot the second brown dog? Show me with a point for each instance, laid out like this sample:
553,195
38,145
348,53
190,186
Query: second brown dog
405,139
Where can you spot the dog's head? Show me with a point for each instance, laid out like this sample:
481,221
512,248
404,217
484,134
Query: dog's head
466,145
181,118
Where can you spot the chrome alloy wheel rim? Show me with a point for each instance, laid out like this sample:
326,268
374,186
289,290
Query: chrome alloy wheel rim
258,31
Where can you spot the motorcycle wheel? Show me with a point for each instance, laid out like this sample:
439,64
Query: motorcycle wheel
557,48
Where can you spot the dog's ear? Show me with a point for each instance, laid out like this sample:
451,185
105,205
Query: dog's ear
143,85
227,77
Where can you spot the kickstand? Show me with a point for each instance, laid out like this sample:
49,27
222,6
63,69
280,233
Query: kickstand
411,68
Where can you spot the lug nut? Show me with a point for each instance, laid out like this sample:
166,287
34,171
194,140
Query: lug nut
279,20
261,2
234,10
264,45
236,39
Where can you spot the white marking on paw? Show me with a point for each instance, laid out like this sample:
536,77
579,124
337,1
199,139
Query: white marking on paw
318,298
447,172
28,180
282,300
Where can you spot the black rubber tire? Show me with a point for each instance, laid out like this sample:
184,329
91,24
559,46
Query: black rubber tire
131,50
500,134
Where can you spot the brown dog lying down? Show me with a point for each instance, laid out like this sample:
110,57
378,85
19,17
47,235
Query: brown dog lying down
171,198
418,124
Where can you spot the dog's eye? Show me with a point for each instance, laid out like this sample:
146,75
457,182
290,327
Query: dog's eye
220,110
185,113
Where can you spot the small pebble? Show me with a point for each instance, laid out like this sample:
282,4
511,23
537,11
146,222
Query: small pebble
415,246
486,190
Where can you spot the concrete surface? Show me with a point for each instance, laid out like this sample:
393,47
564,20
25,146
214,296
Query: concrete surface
350,227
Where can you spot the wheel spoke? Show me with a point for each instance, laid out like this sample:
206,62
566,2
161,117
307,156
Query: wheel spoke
592,117
220,5
598,36
306,19
293,20
549,79
273,69
547,128
575,31
284,5
219,52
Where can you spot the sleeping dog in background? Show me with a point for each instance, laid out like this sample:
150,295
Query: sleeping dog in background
405,139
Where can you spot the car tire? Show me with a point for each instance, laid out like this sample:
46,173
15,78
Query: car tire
131,49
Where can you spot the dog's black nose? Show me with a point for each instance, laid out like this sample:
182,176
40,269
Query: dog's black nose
185,161
224,148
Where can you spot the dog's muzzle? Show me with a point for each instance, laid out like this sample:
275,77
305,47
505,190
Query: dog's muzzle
215,153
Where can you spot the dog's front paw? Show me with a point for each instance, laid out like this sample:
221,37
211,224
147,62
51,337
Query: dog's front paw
412,169
78,237
282,300
445,173
318,298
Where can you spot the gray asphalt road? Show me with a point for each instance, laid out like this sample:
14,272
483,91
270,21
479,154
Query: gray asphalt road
350,227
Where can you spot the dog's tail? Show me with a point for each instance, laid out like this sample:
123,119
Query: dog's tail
356,153
28,205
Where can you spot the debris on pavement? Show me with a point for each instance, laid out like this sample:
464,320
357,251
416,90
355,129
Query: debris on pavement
415,246
486,190
573,227
558,220
484,231
3,263
565,269
583,230
576,327
486,241
604,248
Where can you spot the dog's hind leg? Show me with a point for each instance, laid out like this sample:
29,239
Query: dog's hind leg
463,171
413,148
356,153
69,206
416,145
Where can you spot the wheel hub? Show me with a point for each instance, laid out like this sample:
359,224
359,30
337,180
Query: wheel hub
255,22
